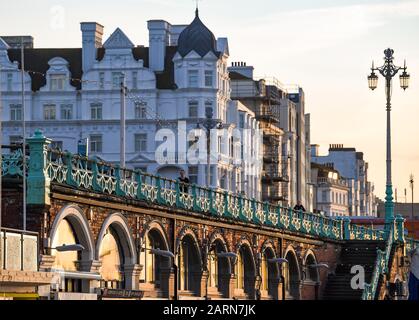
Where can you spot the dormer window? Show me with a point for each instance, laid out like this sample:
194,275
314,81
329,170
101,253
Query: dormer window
57,82
193,78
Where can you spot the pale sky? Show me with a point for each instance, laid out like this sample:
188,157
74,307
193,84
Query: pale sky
326,46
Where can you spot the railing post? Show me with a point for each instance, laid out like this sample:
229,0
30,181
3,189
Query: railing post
38,181
195,198
278,212
179,203
399,227
95,172
322,233
140,193
69,178
226,211
241,214
254,210
160,199
267,214
118,187
346,228
291,223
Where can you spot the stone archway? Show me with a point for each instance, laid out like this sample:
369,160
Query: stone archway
245,271
75,268
76,224
189,265
292,275
115,249
270,274
219,268
311,272
157,270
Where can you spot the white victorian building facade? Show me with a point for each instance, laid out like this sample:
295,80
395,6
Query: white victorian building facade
74,95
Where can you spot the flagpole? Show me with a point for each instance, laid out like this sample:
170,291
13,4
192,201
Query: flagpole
22,78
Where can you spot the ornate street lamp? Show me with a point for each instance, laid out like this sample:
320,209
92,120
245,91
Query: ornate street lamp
209,123
388,71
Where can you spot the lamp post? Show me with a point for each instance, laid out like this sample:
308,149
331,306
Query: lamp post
388,71
318,266
209,123
411,181
171,255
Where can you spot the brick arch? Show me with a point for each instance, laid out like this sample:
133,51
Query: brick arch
225,265
314,273
294,269
190,268
217,235
246,242
79,223
308,253
250,267
156,225
120,225
188,231
268,244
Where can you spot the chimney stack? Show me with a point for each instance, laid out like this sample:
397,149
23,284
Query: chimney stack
159,38
92,33
242,68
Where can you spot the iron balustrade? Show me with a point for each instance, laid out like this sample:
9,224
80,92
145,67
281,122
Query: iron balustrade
99,176
94,175
18,250
381,266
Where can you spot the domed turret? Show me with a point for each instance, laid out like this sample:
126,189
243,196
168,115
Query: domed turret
196,37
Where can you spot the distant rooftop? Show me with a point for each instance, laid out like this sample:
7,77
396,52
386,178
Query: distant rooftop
14,42
339,147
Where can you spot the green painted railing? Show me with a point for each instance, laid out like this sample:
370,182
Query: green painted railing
46,165
12,164
106,178
411,244
380,268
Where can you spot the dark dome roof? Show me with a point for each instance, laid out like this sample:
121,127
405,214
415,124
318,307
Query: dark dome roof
196,37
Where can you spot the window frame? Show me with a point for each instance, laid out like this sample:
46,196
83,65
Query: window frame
16,109
193,75
140,145
50,111
98,143
95,107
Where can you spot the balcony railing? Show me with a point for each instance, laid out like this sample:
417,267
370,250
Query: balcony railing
19,250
